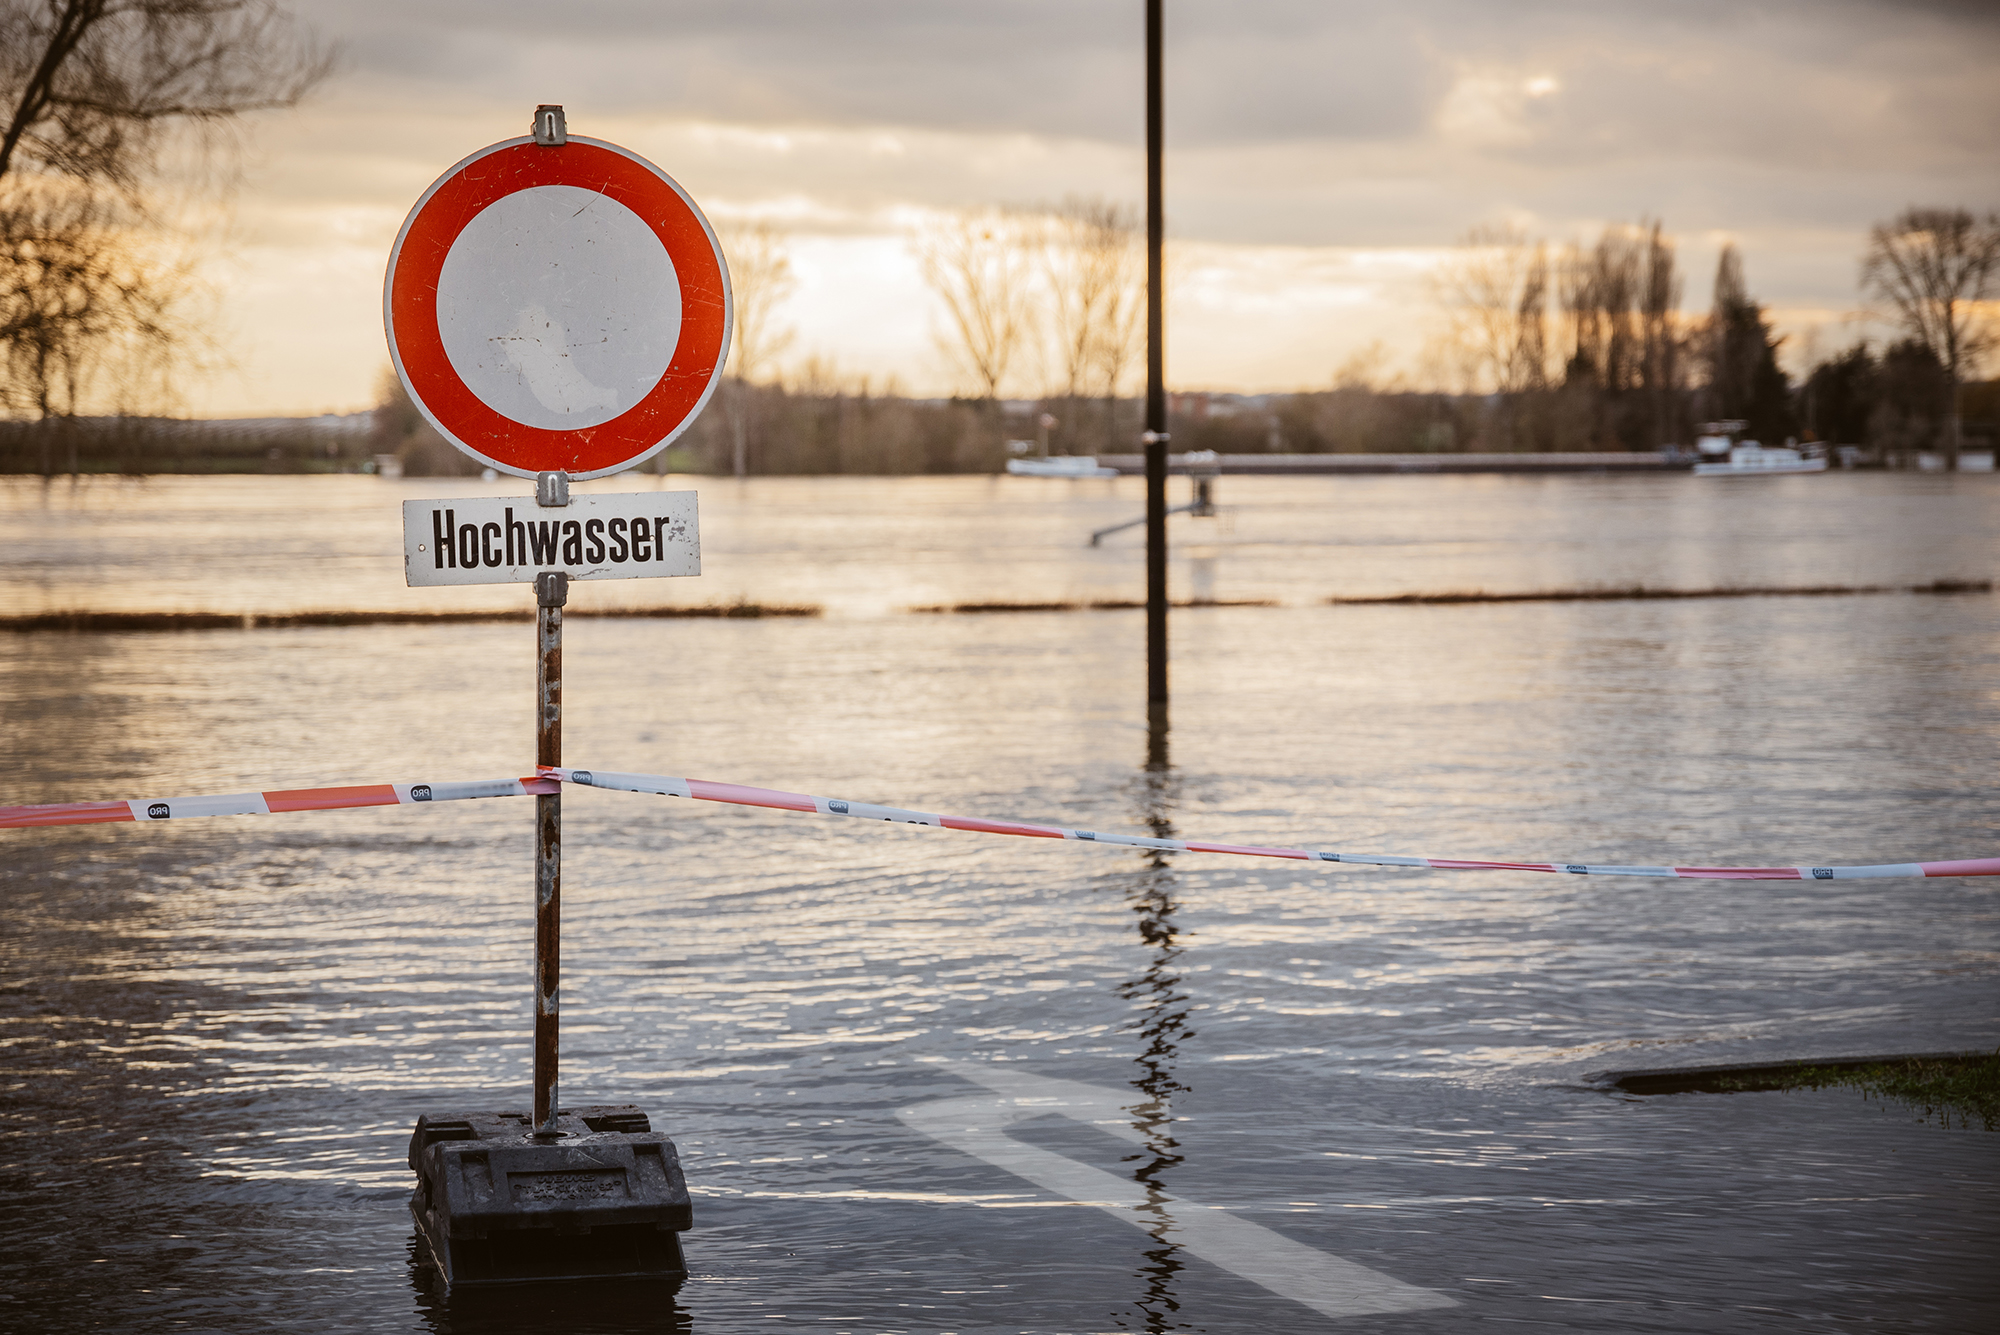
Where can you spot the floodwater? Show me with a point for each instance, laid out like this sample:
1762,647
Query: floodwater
931,1081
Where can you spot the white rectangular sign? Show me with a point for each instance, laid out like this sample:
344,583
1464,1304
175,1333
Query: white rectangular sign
510,539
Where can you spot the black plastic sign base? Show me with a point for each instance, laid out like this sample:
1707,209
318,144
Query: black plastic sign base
497,1204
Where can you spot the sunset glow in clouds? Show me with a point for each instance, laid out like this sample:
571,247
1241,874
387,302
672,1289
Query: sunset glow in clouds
1319,155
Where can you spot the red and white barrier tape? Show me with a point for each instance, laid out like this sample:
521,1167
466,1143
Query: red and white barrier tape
739,795
264,804
547,781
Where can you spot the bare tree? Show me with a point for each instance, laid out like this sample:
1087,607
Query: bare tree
1495,290
1123,327
982,263
1600,292
1625,368
94,87
1662,337
1528,365
94,92
1936,268
1093,269
75,296
1495,293
760,279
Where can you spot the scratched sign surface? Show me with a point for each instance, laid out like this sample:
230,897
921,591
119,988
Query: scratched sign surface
557,307
507,539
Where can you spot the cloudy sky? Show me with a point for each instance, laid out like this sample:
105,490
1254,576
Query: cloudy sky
1321,153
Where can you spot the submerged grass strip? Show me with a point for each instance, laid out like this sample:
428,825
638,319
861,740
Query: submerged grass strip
1944,1088
1941,586
1960,1089
709,610
1116,605
159,621
1639,591
163,621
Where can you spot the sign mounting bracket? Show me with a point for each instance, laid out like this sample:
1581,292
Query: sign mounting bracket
551,128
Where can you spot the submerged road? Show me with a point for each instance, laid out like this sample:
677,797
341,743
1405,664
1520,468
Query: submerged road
979,1125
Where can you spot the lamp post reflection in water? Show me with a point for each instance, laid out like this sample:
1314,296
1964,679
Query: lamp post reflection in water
1162,1023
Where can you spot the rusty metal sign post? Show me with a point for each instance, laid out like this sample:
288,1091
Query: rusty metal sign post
551,592
558,308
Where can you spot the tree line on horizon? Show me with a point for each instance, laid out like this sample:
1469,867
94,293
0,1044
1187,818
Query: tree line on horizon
1580,347
1587,346
1545,348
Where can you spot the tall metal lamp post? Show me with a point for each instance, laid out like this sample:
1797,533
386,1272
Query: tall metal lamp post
1155,436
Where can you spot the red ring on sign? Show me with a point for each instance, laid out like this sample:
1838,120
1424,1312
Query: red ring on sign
465,419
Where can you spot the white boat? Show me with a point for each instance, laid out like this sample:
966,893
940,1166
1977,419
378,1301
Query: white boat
1062,465
1749,459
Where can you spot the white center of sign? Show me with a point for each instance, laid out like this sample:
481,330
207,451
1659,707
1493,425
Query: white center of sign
558,307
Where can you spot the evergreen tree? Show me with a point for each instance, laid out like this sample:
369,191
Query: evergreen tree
1913,405
1745,381
1838,398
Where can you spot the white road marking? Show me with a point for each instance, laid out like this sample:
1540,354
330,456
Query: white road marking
977,1125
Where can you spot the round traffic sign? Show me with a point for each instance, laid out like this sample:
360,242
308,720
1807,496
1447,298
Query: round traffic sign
557,307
